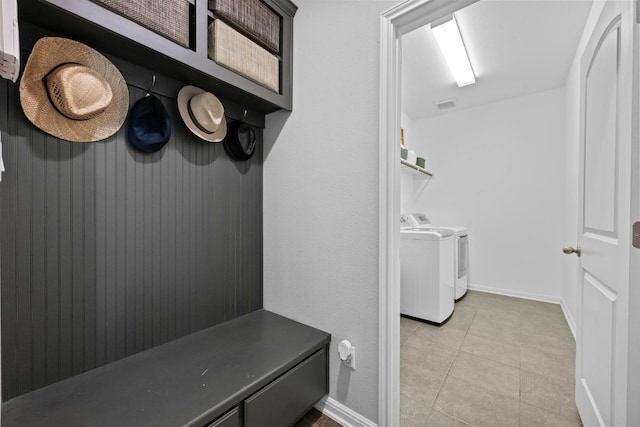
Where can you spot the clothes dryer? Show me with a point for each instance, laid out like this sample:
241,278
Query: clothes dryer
426,274
461,250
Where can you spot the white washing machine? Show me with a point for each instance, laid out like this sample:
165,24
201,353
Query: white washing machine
461,250
426,274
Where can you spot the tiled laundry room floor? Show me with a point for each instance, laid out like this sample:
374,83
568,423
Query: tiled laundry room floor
499,361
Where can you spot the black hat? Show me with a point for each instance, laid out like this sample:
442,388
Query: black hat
149,126
241,140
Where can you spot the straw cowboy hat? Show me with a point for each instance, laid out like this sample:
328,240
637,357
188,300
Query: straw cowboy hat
72,92
203,113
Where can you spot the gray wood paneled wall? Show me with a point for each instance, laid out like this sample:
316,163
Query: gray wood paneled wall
107,251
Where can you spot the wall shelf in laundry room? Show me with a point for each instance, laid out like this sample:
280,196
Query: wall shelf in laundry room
415,168
419,177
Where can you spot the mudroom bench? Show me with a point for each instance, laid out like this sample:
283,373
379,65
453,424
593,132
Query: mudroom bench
260,369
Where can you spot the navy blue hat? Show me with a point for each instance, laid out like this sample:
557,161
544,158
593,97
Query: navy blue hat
149,126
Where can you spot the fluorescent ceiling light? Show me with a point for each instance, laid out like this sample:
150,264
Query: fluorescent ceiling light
450,41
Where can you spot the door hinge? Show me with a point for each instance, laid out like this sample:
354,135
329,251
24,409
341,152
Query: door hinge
635,241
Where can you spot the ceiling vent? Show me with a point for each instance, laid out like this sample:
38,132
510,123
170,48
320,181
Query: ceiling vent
447,104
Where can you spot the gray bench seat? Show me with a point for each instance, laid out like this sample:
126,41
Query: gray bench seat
238,367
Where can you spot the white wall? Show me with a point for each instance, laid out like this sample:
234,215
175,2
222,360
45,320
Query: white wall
407,177
499,171
407,123
321,190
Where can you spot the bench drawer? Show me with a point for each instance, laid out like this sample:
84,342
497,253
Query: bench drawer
230,419
286,399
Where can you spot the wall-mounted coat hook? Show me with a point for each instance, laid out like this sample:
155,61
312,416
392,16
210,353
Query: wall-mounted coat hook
245,114
153,83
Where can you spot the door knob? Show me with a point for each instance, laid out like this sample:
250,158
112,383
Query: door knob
569,250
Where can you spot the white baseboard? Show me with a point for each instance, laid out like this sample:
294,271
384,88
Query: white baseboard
570,320
565,310
517,294
341,414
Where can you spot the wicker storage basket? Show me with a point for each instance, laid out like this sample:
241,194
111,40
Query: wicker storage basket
232,50
251,17
169,18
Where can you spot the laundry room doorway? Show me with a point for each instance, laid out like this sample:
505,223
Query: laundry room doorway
396,23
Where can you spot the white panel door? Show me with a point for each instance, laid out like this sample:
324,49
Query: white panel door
607,73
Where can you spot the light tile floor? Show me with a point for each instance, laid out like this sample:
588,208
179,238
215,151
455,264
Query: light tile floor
499,361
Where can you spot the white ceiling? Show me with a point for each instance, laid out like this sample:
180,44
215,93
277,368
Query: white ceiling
515,47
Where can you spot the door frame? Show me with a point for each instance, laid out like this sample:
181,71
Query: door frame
395,22
633,386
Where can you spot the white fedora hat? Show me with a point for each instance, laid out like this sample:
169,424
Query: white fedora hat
203,113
